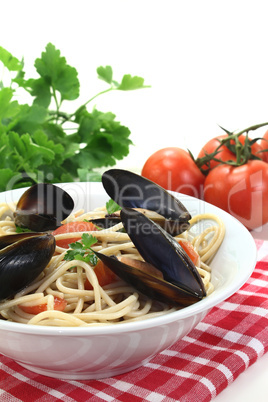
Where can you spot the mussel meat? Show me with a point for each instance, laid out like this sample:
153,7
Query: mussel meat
43,207
131,190
181,284
22,258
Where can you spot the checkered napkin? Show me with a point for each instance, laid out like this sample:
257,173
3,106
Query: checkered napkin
195,369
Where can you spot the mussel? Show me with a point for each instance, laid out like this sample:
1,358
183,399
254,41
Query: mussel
131,190
23,257
7,240
106,222
181,284
43,207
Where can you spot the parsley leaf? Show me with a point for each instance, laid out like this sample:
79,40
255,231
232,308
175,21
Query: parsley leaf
8,108
82,250
22,230
129,83
9,61
105,74
112,207
88,240
57,73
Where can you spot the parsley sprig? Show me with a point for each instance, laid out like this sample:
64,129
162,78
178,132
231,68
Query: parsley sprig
39,140
82,251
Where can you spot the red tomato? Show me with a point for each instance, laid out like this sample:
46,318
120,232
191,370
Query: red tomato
189,249
72,227
264,144
104,274
59,305
242,191
173,169
224,154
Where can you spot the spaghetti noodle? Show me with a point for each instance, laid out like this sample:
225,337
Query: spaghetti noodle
111,304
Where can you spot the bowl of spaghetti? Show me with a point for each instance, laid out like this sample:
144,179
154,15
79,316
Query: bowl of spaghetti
103,331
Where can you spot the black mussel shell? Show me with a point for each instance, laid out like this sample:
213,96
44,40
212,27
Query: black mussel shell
149,285
159,248
171,226
22,261
106,222
130,190
7,240
43,207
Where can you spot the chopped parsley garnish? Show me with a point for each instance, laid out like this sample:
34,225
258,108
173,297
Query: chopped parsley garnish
112,207
81,250
22,230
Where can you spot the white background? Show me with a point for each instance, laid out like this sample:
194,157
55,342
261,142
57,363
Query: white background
206,62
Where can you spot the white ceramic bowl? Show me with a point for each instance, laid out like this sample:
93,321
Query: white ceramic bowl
92,353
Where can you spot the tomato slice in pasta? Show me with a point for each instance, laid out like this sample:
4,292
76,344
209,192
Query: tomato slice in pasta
189,249
72,227
104,274
59,305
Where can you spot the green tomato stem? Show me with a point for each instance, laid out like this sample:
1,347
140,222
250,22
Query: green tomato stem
250,128
242,152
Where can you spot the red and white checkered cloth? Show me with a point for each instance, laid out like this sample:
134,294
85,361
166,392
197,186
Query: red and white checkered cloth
197,368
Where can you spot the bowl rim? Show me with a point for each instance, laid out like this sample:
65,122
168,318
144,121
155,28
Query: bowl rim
203,306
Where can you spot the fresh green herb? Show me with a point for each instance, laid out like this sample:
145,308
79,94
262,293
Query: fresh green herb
82,250
39,142
112,207
97,227
22,230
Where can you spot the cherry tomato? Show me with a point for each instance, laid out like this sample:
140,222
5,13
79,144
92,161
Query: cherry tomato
173,169
59,305
72,227
104,274
242,191
264,144
224,153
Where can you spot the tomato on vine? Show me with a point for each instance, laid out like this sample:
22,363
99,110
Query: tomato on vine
237,177
240,190
231,172
174,169
224,148
264,144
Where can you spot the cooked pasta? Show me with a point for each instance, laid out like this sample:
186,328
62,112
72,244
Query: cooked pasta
111,304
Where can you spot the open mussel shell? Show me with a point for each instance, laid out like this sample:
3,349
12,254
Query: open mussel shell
22,260
7,240
130,190
161,250
181,284
149,285
43,207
